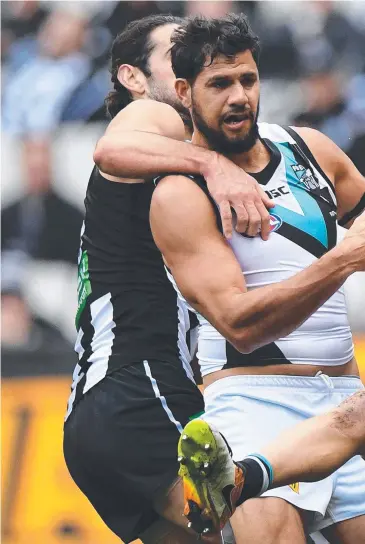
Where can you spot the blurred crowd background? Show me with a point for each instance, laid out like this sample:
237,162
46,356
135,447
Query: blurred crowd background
54,67
54,80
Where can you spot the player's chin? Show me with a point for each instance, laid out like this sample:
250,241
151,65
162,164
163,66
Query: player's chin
237,141
236,135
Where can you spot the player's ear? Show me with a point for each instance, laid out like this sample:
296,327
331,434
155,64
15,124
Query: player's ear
133,79
183,91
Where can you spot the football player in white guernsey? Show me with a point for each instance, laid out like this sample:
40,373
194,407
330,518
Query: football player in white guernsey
280,304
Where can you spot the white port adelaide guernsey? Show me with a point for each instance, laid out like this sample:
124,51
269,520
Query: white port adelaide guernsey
303,228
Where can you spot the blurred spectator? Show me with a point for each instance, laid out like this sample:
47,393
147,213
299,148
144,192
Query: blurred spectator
41,224
88,101
214,8
23,331
21,18
357,153
55,70
35,95
125,12
20,21
330,56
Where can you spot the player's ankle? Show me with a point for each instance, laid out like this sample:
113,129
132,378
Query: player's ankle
258,476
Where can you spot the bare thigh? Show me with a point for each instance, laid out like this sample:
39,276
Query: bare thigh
350,531
270,520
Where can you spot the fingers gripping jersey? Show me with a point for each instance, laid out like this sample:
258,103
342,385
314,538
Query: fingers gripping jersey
303,228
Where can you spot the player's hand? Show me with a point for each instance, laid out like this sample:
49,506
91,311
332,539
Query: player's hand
354,242
231,187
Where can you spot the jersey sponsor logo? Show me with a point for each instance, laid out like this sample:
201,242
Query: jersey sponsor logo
275,222
278,191
295,487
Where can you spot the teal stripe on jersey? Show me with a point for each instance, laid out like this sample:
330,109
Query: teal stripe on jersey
312,221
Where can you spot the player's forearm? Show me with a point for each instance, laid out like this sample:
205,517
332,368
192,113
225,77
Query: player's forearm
263,315
137,154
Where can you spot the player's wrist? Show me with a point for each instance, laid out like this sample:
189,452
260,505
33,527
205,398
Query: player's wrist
208,163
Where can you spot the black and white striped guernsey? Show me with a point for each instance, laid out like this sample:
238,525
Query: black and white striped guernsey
128,310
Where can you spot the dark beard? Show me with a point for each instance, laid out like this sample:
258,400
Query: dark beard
218,141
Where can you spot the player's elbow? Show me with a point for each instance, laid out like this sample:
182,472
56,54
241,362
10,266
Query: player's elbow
103,154
243,341
107,156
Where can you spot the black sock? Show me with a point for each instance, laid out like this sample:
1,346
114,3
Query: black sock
258,477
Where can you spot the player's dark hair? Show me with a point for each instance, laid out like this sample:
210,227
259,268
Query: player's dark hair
133,46
200,40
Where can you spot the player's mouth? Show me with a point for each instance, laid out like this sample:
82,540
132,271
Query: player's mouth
235,121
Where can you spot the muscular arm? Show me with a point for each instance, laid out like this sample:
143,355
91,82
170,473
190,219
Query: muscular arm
146,139
208,275
348,182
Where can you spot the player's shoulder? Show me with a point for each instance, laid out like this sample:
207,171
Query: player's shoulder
310,136
327,153
174,186
182,194
316,140
181,183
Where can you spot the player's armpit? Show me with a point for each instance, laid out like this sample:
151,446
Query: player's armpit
203,265
348,182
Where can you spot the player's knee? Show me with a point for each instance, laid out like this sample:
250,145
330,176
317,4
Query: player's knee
275,519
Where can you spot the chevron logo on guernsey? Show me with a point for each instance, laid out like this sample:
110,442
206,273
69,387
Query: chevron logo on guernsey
295,487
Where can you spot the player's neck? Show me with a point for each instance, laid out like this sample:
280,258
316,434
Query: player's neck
252,161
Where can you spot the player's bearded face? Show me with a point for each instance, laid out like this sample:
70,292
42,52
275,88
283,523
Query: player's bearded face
225,104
